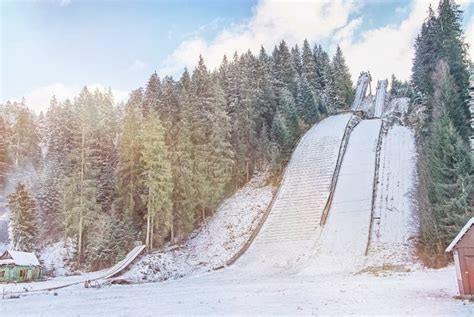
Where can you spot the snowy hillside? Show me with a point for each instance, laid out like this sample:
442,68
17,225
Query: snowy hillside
212,245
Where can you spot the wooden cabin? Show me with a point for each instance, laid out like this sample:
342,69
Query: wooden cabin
17,266
463,253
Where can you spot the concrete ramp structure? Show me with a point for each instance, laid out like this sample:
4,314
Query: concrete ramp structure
361,90
293,224
380,98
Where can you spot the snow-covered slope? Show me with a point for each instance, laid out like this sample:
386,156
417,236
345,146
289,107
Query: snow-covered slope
293,225
213,244
394,214
345,236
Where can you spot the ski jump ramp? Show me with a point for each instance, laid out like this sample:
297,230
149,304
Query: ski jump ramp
380,98
293,225
345,237
362,84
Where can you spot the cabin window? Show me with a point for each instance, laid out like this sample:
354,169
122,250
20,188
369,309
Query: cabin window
22,274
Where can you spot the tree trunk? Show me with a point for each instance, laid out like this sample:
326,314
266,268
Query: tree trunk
81,213
147,239
130,211
152,226
172,231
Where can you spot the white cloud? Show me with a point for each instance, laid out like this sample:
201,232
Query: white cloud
64,3
137,65
38,99
382,51
470,37
388,49
272,21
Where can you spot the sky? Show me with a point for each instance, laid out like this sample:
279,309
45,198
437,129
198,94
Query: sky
55,47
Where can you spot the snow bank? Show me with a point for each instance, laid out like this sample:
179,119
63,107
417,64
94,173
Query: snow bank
397,107
214,243
54,256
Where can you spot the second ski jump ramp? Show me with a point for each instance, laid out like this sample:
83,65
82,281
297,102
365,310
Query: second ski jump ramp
293,225
345,236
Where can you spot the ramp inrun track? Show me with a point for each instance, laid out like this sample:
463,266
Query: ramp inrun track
345,236
293,225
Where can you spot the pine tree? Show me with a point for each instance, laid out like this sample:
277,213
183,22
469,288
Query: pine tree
24,144
23,226
283,71
425,55
130,168
296,60
83,179
441,38
151,99
158,182
104,149
452,49
306,103
344,92
451,190
309,67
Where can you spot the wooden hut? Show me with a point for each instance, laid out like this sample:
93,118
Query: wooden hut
463,253
16,266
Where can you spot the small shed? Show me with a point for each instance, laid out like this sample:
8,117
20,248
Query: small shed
463,253
17,266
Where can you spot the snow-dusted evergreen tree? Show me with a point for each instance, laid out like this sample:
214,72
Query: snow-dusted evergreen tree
324,78
344,92
182,166
82,181
283,69
130,168
296,59
210,133
104,148
4,166
151,98
442,38
23,219
306,103
24,138
451,182
157,179
451,190
308,67
112,243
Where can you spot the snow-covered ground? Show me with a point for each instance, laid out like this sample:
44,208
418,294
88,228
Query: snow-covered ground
423,293
54,256
212,245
